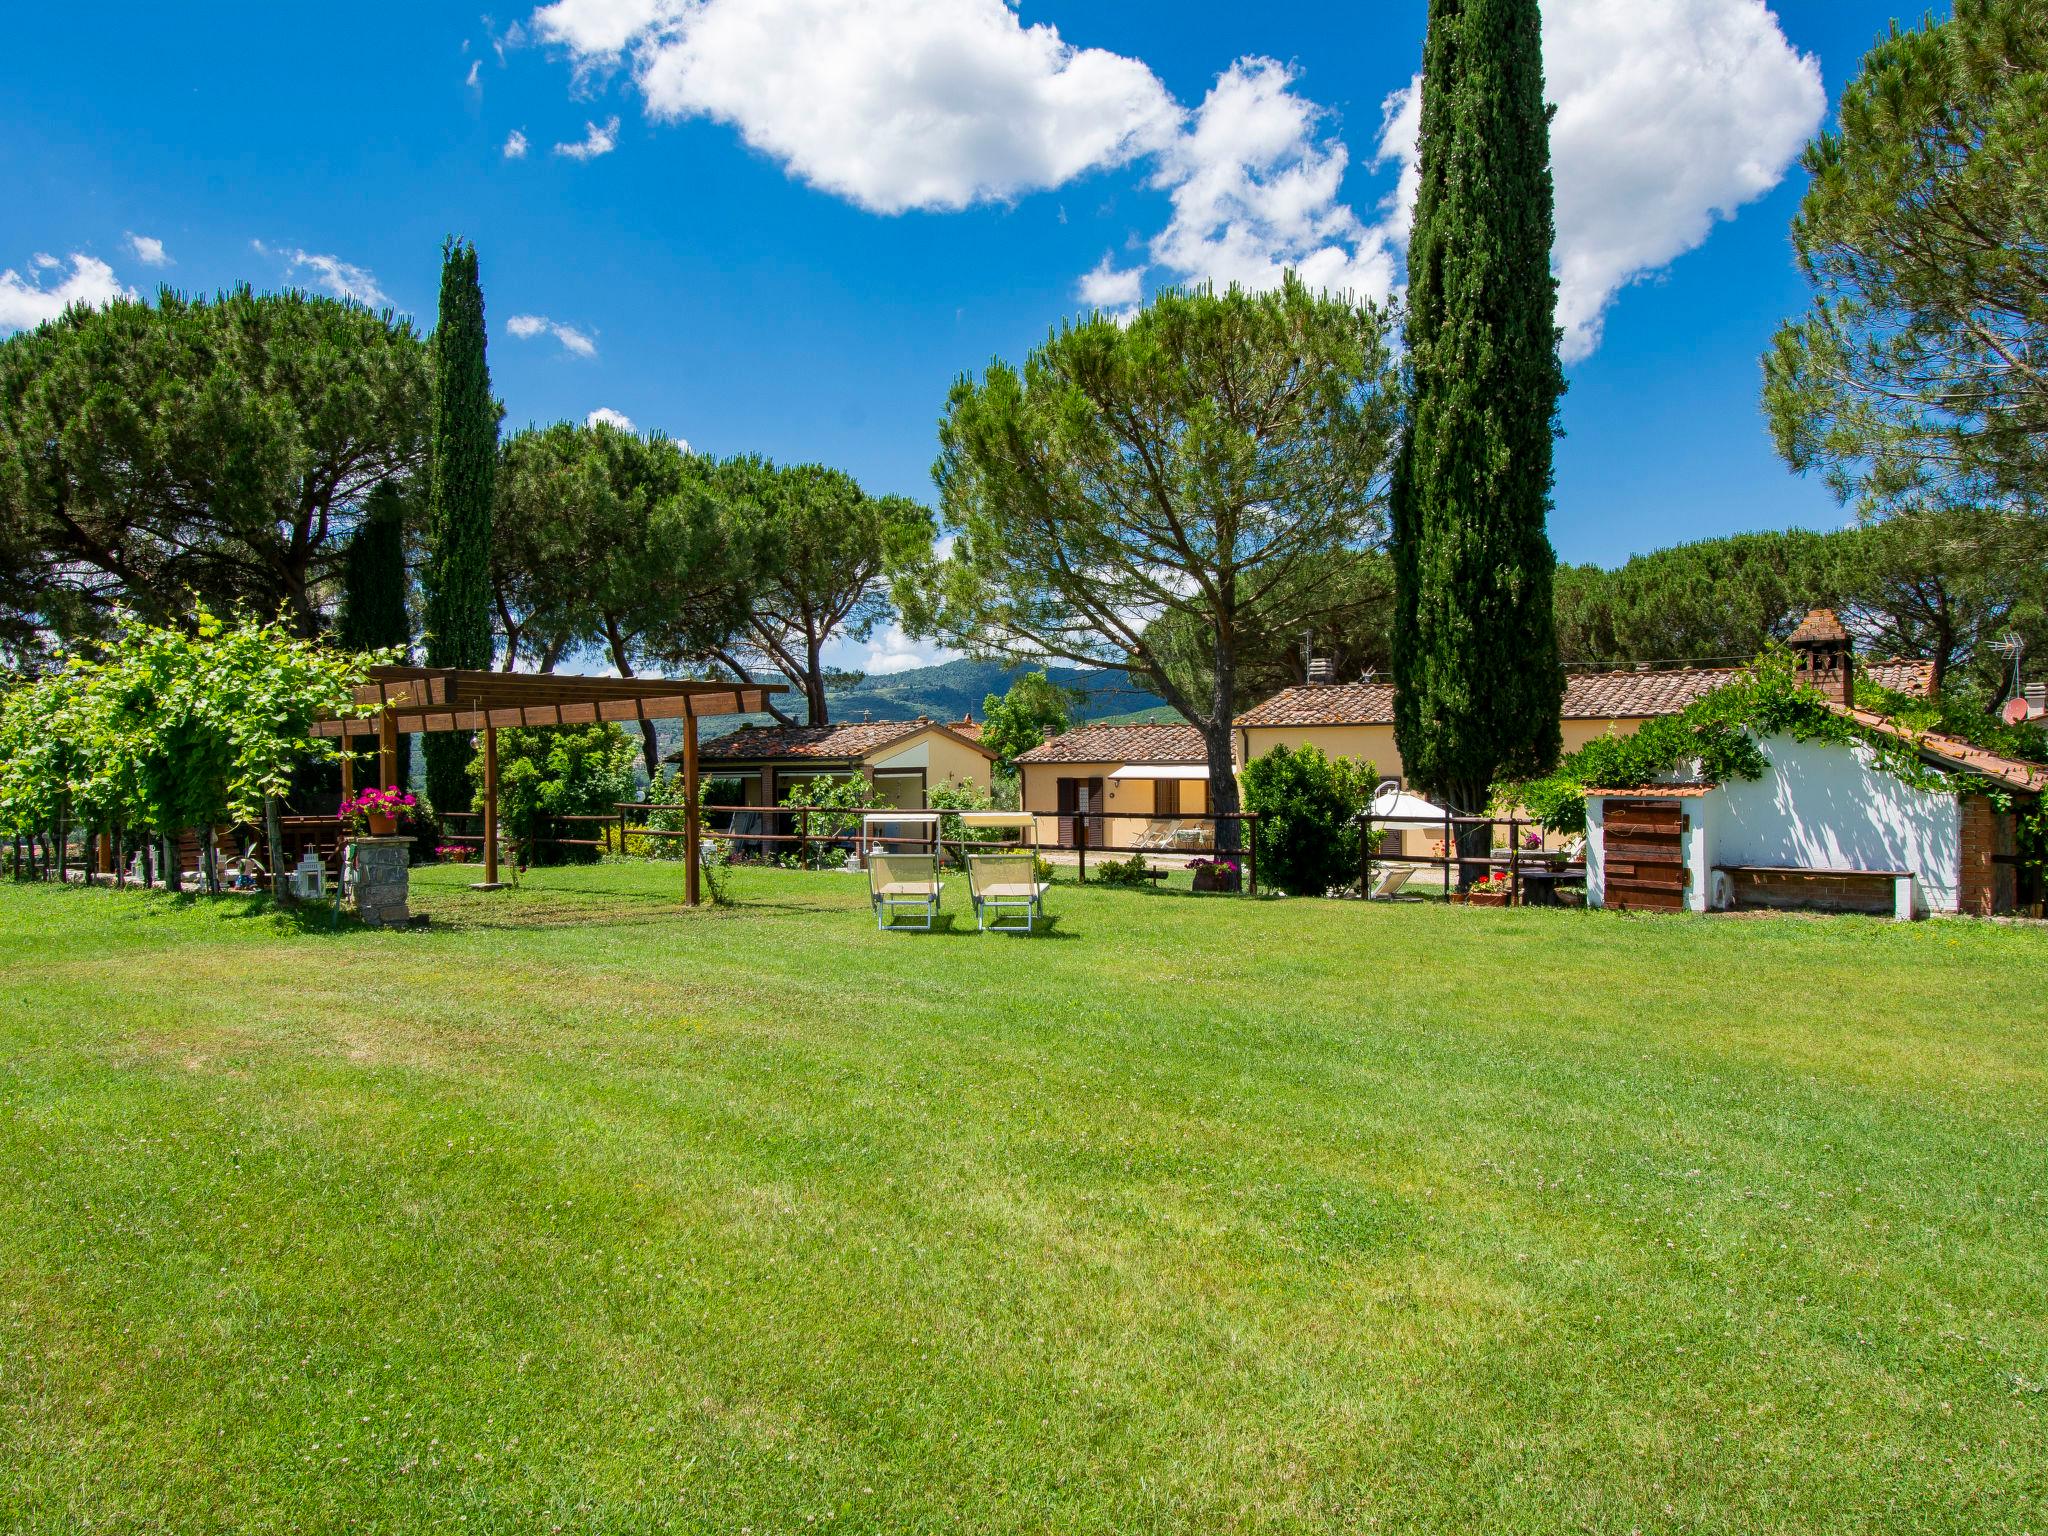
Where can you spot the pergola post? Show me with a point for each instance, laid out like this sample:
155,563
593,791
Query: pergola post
387,748
692,855
490,880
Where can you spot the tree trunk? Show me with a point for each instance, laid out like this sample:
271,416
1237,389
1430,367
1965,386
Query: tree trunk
814,685
171,880
273,834
650,749
1216,732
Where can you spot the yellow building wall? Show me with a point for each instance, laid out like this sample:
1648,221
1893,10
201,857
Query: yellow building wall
1129,803
1362,743
944,760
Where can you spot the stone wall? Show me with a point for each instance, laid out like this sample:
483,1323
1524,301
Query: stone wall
381,880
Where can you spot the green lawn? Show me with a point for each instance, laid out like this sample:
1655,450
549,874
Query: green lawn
582,1212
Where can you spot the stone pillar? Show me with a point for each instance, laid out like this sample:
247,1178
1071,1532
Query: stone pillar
380,879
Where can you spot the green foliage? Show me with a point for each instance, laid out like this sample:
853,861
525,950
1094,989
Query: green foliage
1915,381
570,770
1132,874
1715,599
1475,652
841,802
161,729
617,543
373,613
1308,807
827,553
1187,462
462,460
1712,741
218,451
1946,586
1032,709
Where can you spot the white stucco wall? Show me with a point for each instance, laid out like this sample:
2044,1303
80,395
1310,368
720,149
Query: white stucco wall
1825,807
1820,806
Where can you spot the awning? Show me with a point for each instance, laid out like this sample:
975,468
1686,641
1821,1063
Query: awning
1404,807
1161,771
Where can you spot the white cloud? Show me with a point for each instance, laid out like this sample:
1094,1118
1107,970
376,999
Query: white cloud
891,650
25,303
526,327
1111,287
148,250
343,279
595,141
515,145
1254,185
45,259
605,416
1669,117
891,104
476,67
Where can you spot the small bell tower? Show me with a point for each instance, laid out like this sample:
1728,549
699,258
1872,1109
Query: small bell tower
1825,656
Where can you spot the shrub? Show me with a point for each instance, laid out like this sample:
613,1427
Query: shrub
569,770
1130,873
1308,807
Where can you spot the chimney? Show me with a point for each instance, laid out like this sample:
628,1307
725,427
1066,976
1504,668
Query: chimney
1321,671
1824,656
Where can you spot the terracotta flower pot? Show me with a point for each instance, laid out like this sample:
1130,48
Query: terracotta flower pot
382,825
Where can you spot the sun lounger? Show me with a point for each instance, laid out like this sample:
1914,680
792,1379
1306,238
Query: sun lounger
907,881
1387,884
1002,883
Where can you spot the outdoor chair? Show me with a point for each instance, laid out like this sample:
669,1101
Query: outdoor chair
1002,883
904,880
1390,880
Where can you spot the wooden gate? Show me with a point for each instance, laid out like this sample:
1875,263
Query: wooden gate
1642,845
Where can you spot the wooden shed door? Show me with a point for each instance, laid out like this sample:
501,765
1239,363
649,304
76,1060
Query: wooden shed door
1645,867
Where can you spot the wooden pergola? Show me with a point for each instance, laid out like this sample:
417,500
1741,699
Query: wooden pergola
433,699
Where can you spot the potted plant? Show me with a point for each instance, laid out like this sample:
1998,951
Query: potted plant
1217,874
452,853
376,812
1493,891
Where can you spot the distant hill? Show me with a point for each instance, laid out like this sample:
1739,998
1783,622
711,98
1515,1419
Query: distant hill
948,691
956,688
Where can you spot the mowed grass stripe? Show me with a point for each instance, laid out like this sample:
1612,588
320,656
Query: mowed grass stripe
1200,1215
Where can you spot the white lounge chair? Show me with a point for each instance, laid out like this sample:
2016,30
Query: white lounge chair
901,852
1004,879
1389,881
1005,882
908,881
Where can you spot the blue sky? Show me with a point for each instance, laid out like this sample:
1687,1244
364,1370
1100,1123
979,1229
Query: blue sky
811,215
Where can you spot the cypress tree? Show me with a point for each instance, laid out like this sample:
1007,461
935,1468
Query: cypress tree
463,459
1479,686
373,613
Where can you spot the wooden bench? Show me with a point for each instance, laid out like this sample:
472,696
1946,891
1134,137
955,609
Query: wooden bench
1901,879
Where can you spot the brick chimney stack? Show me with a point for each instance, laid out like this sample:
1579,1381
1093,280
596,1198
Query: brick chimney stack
1825,656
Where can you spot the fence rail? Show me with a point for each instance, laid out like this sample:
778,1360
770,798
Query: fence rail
845,831
1519,862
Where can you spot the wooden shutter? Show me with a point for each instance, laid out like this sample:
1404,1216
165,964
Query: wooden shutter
1166,797
1069,802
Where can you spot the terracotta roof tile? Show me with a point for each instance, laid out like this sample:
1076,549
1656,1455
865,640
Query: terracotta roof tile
1122,744
1915,678
1950,752
849,742
1628,694
1326,704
